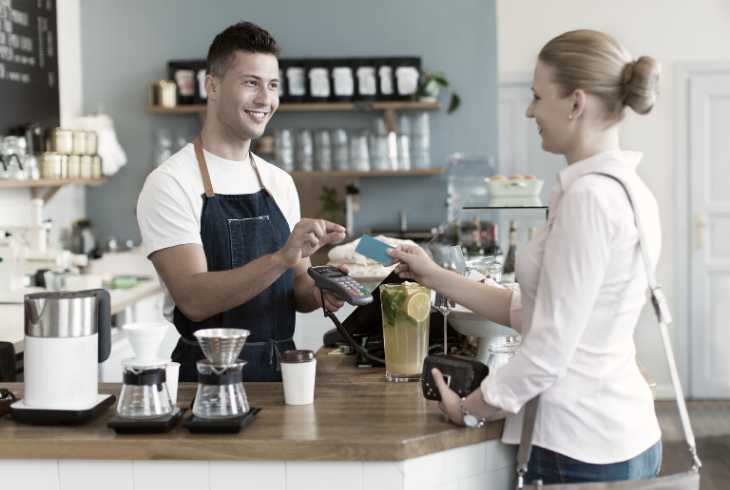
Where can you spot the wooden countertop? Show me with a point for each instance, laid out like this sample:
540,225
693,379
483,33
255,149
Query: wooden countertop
356,416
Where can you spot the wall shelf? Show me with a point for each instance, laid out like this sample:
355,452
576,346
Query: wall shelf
363,106
373,173
51,186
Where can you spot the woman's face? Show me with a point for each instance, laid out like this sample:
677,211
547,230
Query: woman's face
552,112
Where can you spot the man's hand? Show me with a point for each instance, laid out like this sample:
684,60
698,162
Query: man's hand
331,300
308,236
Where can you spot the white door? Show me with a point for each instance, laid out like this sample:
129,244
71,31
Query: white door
520,145
709,188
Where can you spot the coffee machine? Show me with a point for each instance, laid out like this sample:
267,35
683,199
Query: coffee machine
67,335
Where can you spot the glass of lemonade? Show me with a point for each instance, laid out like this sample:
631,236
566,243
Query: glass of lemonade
406,310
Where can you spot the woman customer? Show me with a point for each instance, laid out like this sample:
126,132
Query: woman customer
581,280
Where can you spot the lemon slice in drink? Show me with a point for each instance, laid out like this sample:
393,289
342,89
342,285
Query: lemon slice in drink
419,306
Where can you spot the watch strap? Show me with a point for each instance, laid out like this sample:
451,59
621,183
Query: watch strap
480,421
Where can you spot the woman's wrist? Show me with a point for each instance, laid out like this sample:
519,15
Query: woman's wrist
442,280
435,279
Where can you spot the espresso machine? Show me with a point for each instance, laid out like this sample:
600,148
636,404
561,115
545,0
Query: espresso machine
67,335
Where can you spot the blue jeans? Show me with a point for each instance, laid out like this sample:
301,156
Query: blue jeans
554,467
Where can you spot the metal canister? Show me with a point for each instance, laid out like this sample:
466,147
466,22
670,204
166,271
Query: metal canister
79,142
51,165
74,167
164,93
501,349
96,168
92,143
85,166
63,141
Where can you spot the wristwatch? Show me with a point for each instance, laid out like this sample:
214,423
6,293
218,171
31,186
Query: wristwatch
471,420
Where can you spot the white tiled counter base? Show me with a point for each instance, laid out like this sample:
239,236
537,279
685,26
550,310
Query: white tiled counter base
485,466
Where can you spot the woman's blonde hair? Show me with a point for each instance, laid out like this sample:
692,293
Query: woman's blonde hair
596,63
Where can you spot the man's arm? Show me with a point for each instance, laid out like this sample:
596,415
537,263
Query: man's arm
201,294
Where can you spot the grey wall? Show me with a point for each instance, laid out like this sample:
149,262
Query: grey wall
126,44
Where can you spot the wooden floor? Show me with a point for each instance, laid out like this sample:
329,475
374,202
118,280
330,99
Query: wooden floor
711,424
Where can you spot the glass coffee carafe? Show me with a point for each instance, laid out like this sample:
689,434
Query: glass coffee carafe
406,311
144,392
220,391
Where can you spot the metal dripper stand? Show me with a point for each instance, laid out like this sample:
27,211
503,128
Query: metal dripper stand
220,403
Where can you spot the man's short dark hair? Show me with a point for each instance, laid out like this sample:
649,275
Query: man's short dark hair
244,36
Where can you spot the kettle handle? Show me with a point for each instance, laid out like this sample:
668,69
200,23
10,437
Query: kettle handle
105,323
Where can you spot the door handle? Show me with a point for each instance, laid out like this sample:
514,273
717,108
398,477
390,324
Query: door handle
700,225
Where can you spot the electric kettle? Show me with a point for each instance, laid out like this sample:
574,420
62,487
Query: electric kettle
67,335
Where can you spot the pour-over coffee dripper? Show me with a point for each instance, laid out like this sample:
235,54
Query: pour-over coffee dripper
221,346
145,339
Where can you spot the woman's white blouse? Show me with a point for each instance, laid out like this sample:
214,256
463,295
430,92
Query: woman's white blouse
582,288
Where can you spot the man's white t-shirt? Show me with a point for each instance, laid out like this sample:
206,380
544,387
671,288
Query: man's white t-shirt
171,201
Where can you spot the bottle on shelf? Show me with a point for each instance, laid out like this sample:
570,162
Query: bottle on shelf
490,240
508,271
470,237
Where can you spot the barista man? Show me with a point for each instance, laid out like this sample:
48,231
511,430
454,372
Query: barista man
222,226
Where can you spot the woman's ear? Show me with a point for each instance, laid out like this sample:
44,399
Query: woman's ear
578,105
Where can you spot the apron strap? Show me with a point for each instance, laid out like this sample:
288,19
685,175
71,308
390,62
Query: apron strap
207,185
258,175
198,144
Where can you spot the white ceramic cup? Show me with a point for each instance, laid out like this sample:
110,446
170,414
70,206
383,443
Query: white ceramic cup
172,372
298,369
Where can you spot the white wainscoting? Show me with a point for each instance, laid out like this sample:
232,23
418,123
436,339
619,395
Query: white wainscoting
485,466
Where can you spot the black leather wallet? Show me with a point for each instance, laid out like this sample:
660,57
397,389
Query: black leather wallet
463,375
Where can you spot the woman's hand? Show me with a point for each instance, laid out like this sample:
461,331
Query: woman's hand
450,403
415,264
474,403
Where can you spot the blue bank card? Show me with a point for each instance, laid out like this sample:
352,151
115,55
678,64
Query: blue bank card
374,249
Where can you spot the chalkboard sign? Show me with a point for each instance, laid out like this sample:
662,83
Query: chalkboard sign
28,63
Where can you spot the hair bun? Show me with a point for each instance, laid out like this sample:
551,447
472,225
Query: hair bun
640,81
628,73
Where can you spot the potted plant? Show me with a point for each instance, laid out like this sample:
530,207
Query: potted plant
332,208
430,86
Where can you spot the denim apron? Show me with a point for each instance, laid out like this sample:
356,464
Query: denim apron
236,229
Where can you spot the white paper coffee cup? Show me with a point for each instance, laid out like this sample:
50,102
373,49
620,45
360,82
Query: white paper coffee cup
298,373
172,373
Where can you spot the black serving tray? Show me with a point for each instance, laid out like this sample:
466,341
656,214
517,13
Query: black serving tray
27,415
233,425
152,425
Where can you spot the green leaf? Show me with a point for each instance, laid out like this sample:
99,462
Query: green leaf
440,79
454,103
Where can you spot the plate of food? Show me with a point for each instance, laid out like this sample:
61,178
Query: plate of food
515,186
